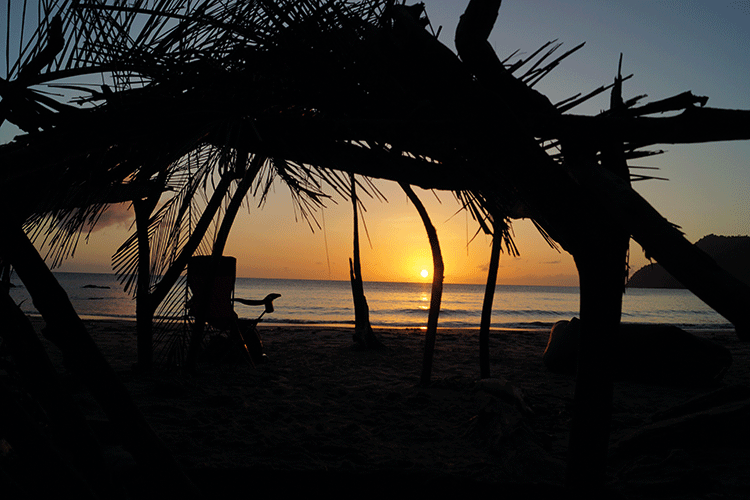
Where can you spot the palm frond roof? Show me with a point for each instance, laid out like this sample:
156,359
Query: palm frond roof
324,85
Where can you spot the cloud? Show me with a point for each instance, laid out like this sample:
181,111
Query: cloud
486,267
116,215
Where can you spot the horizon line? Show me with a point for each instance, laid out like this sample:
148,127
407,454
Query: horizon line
428,282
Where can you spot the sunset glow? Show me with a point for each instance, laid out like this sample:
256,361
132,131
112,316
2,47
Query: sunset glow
424,273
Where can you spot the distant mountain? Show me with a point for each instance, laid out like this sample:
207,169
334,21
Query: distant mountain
730,252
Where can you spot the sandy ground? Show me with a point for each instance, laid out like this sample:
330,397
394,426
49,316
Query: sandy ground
322,416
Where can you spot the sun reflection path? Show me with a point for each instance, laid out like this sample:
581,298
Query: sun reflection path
424,299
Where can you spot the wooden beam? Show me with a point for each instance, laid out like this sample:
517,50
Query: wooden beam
694,125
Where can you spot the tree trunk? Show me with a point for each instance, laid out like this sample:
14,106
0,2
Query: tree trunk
199,231
233,208
602,269
437,286
144,311
81,355
693,125
599,270
150,299
364,337
489,294
475,50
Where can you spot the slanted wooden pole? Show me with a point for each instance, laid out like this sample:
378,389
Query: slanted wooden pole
161,290
55,472
67,424
664,242
82,356
230,214
437,285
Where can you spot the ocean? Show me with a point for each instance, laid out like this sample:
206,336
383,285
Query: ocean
399,305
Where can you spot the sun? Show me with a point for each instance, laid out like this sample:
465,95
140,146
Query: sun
425,273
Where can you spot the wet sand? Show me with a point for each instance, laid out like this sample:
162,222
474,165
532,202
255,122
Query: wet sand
323,415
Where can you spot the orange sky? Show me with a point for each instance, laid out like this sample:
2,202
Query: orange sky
269,243
400,248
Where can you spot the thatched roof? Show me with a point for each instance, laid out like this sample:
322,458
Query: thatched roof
316,86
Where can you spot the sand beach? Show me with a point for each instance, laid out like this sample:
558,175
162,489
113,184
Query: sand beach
323,416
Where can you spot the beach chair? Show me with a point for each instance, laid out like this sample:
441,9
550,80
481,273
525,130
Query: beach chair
211,282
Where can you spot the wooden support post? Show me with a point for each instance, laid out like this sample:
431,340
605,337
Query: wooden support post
601,262
437,286
489,294
602,268
364,337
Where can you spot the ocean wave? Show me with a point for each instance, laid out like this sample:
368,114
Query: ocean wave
297,321
448,311
397,305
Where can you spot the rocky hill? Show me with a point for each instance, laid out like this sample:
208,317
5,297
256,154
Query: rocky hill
731,253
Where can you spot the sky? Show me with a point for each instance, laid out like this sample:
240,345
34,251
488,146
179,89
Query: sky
669,46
